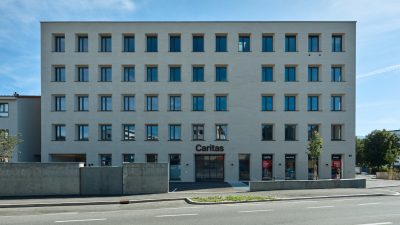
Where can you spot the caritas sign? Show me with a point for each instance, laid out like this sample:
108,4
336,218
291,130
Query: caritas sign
209,148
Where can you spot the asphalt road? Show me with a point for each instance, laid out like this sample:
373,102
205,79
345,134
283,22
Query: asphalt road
339,211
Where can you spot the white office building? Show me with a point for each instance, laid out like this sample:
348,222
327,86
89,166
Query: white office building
219,101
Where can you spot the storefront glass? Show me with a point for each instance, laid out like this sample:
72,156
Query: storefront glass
267,167
290,167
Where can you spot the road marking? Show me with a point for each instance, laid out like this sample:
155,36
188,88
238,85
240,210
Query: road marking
321,207
85,220
383,223
187,207
260,210
302,201
347,199
176,215
63,213
370,203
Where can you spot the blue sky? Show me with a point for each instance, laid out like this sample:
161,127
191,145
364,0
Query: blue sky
378,35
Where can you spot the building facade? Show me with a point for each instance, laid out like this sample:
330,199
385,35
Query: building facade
20,115
219,101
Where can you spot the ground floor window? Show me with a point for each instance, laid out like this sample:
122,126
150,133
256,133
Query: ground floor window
128,158
244,166
337,167
151,158
209,167
105,160
290,167
175,166
267,166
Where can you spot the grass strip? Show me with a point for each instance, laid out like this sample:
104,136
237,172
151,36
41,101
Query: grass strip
232,198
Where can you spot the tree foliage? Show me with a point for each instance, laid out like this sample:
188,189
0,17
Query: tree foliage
381,148
7,145
360,155
315,147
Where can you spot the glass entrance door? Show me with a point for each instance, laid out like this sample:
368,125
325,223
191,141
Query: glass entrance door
209,167
244,166
175,167
267,167
337,167
290,167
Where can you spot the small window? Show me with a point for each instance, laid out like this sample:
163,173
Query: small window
83,43
221,43
290,103
129,74
336,74
290,132
174,43
129,103
267,43
83,74
198,103
105,160
311,129
244,43
3,109
59,74
174,132
313,43
128,158
267,74
128,132
221,132
59,132
152,103
174,74
290,73
221,102
129,43
198,132
267,103
105,103
152,74
59,103
198,43
105,74
83,103
105,45
313,103
175,103
198,73
336,103
59,43
336,132
151,158
152,45
290,43
105,132
152,132
83,132
221,74
313,73
267,131
337,43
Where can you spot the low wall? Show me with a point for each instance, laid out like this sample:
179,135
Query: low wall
306,184
145,178
101,180
385,175
28,179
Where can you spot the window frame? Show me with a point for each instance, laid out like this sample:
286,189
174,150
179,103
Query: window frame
105,133
264,136
198,43
219,136
128,46
175,132
195,102
154,104
242,40
153,134
195,132
126,132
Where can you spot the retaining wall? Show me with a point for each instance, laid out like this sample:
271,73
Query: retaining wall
385,175
101,180
145,178
306,184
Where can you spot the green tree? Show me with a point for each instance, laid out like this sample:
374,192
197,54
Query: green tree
7,145
360,155
315,147
381,148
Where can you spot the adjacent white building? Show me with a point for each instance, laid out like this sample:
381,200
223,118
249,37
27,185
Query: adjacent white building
20,115
219,101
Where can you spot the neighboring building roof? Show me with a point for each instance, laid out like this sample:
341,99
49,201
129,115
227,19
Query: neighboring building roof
16,95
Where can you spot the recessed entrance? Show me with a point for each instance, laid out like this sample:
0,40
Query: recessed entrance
209,167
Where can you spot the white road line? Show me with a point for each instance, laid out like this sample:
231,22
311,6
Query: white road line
63,213
321,207
260,210
176,215
383,223
342,200
370,203
72,221
188,207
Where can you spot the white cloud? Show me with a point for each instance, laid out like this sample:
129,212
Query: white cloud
380,71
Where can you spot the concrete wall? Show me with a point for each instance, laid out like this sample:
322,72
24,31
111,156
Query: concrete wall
385,175
26,179
101,180
145,178
306,184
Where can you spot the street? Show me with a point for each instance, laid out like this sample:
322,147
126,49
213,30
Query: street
348,211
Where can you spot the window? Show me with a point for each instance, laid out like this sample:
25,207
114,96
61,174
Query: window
267,132
221,103
222,132
198,132
105,45
313,43
221,73
83,74
198,103
129,43
128,158
105,160
105,103
152,132
313,103
59,103
151,158
221,43
105,74
152,74
336,132
290,132
336,74
83,44
174,74
105,132
198,73
152,103
59,43
174,132
5,133
267,103
175,103
198,43
59,132
290,43
59,74
152,45
267,74
83,132
83,103
290,73
311,129
267,43
244,43
336,103
129,103
129,132
290,103
313,73
3,109
174,43
337,44
129,74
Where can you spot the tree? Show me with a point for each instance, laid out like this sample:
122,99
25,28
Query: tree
360,155
315,147
7,145
381,148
